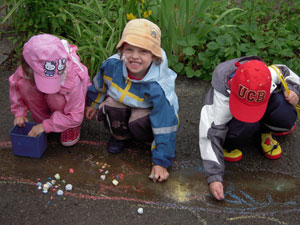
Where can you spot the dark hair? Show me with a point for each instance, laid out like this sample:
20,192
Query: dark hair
26,68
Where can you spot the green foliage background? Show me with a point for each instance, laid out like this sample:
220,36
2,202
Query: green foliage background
196,34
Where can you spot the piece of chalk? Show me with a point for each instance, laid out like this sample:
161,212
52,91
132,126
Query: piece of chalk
59,192
140,210
115,182
151,176
69,187
57,176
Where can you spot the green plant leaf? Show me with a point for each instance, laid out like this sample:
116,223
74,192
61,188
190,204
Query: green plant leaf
178,67
212,45
15,7
189,51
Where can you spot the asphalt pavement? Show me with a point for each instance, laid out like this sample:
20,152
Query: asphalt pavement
257,190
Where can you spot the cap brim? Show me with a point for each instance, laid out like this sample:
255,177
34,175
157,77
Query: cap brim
246,113
48,85
141,43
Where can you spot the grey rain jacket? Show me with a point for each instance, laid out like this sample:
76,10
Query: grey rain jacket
215,114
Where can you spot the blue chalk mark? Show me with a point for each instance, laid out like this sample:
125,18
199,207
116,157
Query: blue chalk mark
201,169
290,203
247,200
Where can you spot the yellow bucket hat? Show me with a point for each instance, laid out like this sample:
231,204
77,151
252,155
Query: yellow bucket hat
144,34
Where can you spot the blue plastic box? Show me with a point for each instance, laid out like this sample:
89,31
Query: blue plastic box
24,145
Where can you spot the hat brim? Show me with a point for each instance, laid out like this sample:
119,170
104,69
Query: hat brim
246,113
48,85
140,42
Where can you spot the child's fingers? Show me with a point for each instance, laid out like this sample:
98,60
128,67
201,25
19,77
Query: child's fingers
216,188
88,116
31,133
291,98
36,130
20,122
155,178
163,177
218,194
90,113
152,176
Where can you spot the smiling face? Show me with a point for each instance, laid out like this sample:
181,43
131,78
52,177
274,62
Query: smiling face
137,60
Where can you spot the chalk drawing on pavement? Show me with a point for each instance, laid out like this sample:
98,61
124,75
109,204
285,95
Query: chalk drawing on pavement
186,189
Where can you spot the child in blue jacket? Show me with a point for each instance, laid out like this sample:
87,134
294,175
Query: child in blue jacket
134,93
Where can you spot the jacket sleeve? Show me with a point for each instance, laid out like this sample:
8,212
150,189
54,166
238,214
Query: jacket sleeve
164,122
73,113
97,91
18,107
215,114
292,79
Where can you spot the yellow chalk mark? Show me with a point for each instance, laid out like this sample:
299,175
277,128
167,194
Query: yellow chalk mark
257,217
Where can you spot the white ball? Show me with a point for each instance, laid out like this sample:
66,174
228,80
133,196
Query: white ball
59,192
69,187
140,210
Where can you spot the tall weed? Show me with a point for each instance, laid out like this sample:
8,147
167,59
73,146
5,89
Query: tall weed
185,25
97,28
197,35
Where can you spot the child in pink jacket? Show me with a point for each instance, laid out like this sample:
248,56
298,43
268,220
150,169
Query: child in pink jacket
51,83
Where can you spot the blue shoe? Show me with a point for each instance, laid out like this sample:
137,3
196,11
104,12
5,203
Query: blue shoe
115,146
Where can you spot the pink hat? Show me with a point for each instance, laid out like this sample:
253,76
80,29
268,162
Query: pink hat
47,57
250,91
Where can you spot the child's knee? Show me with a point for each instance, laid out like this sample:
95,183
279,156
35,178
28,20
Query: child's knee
280,113
141,129
56,102
115,119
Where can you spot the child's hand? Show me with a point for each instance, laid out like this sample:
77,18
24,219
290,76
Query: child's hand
36,130
20,121
90,112
216,188
159,173
292,98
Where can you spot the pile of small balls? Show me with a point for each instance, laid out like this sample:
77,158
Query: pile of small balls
55,185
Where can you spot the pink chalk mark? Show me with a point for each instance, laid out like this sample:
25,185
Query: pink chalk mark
101,143
82,196
20,180
121,176
5,143
94,197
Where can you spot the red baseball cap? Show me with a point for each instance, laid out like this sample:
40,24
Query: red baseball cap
250,91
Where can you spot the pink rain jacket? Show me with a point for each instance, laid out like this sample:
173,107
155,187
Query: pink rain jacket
73,88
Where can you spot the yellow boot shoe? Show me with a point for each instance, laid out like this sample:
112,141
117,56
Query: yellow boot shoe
270,146
232,156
